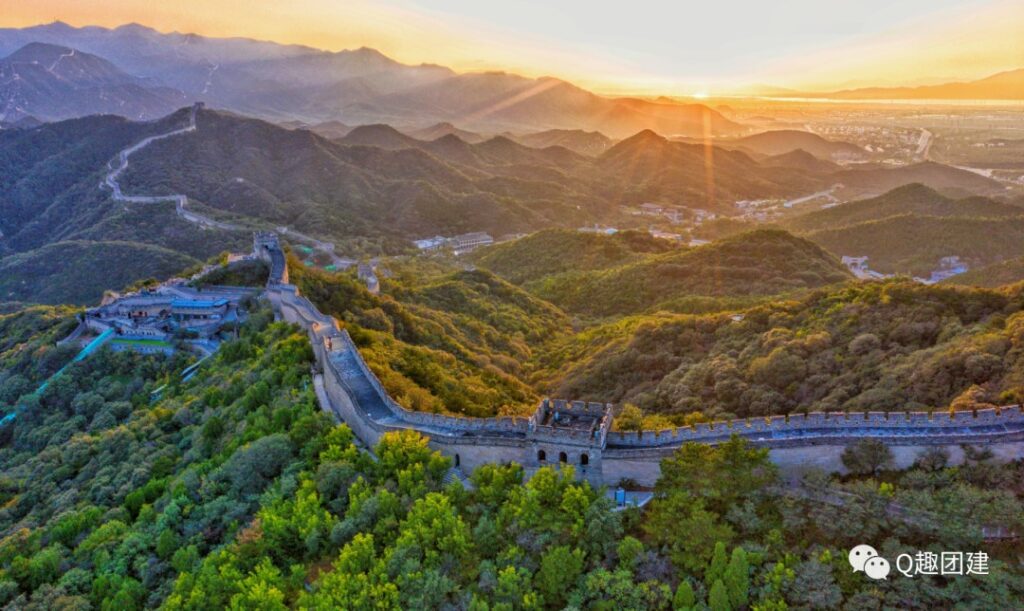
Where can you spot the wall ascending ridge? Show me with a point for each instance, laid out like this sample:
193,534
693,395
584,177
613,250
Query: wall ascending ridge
796,442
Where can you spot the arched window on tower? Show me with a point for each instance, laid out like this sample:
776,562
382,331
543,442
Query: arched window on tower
563,457
542,455
584,459
458,460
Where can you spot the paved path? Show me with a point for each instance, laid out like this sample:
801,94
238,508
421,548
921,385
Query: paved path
828,193
924,145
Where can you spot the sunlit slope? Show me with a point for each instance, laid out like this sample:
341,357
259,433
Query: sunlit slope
758,263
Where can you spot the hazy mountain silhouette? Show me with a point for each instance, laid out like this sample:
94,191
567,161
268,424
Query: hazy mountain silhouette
1007,85
51,82
361,86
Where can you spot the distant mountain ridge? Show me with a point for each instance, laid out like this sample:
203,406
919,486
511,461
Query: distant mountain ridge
51,82
1008,85
583,142
783,141
372,191
877,179
362,86
910,199
909,229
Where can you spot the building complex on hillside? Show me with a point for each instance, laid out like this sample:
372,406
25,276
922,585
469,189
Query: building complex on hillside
148,321
458,244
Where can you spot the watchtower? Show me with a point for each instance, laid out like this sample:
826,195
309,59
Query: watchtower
562,432
263,242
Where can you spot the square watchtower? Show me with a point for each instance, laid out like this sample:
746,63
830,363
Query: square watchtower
563,432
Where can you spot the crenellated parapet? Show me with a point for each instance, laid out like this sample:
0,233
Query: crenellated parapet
816,427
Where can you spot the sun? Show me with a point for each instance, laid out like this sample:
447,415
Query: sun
700,95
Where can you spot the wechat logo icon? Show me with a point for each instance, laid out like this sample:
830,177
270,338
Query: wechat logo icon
865,558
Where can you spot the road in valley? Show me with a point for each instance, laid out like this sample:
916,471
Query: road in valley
924,145
827,193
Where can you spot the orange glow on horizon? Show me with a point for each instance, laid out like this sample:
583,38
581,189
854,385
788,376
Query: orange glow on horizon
955,45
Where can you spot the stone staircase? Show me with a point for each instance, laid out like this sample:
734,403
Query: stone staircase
455,474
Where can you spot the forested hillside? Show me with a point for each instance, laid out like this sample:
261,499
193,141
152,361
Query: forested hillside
235,491
62,240
911,199
556,251
79,271
759,263
997,274
877,346
913,244
28,354
363,186
107,496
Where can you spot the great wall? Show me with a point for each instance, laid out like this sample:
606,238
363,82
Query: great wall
576,432
580,434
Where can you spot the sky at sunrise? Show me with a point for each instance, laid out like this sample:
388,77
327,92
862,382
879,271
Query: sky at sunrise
641,46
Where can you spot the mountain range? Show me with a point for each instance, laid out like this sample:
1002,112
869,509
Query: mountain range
370,191
1008,85
910,229
361,86
50,83
783,141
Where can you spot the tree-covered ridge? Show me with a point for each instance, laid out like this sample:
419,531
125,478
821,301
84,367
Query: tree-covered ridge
910,199
79,271
448,341
885,346
108,496
998,274
57,224
758,263
48,175
556,251
914,244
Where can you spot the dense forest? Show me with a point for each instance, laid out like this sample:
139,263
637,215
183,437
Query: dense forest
885,346
234,490
77,271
